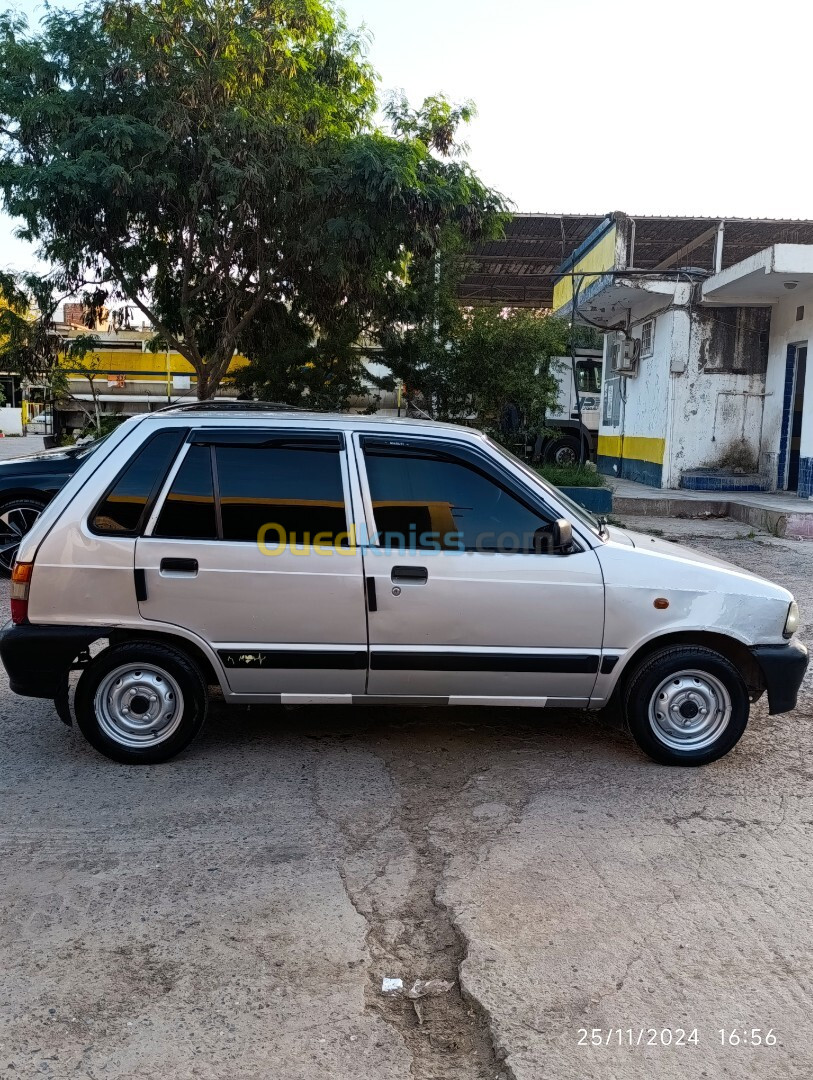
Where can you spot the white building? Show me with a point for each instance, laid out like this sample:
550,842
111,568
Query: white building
705,355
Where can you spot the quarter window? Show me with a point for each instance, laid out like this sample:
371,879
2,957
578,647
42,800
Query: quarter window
189,509
123,509
426,502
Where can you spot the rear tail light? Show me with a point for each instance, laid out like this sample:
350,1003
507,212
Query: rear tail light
20,584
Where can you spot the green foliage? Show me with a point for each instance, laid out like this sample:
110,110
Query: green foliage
209,160
481,363
289,364
28,346
572,475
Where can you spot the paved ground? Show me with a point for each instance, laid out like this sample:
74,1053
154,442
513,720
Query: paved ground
231,915
20,446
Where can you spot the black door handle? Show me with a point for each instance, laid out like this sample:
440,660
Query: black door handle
179,566
410,575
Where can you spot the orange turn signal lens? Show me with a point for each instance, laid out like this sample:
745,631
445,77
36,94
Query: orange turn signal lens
22,571
20,583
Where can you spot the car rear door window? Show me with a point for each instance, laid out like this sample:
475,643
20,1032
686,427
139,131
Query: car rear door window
189,509
294,489
123,510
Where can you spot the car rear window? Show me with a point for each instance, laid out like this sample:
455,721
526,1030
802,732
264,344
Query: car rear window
296,489
123,510
231,492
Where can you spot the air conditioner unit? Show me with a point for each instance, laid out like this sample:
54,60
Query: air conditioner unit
625,354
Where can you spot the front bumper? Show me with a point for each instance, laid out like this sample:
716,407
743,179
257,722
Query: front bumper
783,668
37,658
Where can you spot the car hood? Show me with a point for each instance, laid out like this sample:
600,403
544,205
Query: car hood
655,545
59,453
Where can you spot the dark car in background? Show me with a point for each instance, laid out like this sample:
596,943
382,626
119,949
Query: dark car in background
27,485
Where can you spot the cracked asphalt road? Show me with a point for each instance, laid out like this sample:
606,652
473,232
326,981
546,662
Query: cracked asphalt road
231,914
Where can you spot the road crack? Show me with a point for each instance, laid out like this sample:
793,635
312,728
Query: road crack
392,869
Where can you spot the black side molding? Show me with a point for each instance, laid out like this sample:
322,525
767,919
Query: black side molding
573,663
783,668
306,659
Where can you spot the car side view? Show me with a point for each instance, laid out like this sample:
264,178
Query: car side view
301,558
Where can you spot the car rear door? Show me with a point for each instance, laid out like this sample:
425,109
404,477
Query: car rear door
249,549
470,602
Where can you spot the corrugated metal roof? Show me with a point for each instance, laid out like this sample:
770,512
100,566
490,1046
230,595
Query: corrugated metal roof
520,268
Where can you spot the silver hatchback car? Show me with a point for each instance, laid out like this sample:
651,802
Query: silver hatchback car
300,558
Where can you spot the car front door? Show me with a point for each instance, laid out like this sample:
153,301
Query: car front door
249,549
469,600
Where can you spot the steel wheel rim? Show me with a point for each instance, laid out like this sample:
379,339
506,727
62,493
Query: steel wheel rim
689,710
138,705
14,524
566,455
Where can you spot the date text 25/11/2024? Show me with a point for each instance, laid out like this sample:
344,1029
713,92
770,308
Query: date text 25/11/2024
729,1036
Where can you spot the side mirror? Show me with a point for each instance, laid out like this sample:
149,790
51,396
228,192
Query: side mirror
562,536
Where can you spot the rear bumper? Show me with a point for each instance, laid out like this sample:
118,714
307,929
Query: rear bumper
37,658
783,667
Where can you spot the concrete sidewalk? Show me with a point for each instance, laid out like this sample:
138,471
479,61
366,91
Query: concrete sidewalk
781,513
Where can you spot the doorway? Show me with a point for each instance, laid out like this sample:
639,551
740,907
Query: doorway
797,405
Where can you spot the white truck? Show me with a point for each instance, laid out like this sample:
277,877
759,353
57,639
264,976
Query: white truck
574,424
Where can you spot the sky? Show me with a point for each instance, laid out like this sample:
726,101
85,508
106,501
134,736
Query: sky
586,106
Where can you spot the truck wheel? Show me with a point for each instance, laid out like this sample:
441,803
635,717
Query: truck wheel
140,703
686,705
563,451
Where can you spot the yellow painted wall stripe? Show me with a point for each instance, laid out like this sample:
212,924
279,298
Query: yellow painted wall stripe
113,361
632,448
600,257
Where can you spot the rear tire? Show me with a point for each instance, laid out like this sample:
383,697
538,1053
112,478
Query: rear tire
686,705
141,703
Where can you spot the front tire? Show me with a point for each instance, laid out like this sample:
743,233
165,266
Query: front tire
140,703
686,705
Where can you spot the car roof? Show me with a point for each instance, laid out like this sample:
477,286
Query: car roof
256,410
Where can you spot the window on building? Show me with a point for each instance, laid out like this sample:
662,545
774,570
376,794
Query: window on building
424,501
296,487
800,313
189,509
647,337
123,510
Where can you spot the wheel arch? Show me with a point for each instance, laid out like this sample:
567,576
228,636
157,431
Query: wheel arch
180,644
16,494
574,428
731,648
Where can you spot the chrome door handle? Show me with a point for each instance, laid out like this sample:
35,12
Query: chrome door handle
410,575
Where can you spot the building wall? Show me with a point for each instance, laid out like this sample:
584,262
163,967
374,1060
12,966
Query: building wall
11,420
695,402
719,357
787,331
635,411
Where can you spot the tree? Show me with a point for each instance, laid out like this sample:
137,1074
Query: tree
302,365
31,348
211,160
483,363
